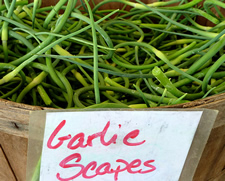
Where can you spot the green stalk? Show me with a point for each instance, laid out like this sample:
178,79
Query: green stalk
188,28
131,92
162,78
52,71
53,11
41,48
212,70
36,81
18,3
160,55
205,15
37,4
214,2
36,174
5,29
210,53
142,95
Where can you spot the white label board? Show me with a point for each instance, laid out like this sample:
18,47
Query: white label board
117,145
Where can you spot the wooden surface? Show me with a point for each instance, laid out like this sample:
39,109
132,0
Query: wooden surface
6,171
15,149
14,118
14,121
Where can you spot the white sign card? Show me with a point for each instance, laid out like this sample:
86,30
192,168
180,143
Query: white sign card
117,145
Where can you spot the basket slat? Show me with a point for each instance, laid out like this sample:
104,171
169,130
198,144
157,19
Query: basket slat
15,149
6,173
14,139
